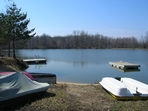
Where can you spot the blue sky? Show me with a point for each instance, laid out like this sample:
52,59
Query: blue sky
113,18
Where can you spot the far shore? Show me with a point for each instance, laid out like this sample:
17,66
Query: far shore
129,48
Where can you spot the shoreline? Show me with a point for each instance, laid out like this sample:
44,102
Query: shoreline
74,83
70,96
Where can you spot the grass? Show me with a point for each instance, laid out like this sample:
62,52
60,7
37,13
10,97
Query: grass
70,97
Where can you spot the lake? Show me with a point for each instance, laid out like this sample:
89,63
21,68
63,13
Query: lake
87,65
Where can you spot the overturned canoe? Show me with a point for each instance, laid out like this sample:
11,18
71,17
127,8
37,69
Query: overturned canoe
125,89
44,77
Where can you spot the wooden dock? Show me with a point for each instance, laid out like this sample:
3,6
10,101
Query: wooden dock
124,65
126,70
35,61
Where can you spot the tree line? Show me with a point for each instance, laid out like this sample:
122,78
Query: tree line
14,34
83,40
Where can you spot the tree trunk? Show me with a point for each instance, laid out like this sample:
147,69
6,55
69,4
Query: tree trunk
13,45
9,50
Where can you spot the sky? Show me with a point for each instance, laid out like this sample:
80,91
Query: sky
113,18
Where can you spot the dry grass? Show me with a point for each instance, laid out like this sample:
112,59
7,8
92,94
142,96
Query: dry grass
10,64
72,97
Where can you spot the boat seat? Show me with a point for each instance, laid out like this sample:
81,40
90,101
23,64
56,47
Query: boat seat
135,85
114,86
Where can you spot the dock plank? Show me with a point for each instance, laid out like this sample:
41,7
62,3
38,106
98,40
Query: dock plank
35,61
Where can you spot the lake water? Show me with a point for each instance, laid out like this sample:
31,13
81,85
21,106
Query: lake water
87,65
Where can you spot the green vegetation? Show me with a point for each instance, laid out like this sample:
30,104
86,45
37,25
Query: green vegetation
15,34
13,28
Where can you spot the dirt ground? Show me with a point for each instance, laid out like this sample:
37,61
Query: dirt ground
75,97
67,97
10,64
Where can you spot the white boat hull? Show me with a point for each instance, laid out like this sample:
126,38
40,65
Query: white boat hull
127,88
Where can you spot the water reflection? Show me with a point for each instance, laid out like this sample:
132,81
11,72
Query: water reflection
38,66
126,70
89,65
130,70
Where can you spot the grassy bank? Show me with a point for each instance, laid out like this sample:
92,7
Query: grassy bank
10,64
76,97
